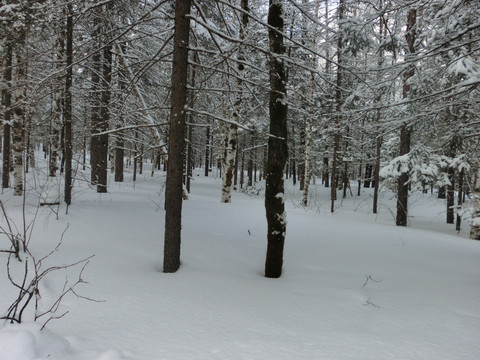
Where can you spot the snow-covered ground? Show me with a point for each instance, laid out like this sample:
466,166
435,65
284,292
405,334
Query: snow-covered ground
354,285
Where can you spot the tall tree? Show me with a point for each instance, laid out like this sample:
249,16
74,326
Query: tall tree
277,143
406,129
176,144
68,106
7,102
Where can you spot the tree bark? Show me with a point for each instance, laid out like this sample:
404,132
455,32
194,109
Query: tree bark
406,130
475,225
176,144
68,107
18,117
338,106
277,144
7,102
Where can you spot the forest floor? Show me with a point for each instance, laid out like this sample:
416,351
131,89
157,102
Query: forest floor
354,285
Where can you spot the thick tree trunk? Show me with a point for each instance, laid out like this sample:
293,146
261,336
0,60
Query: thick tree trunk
176,144
405,132
277,145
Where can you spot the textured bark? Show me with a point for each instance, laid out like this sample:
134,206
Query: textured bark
228,163
207,151
57,118
119,155
18,115
405,132
95,113
68,107
377,174
338,108
475,225
309,124
277,145
102,164
176,144
458,221
7,102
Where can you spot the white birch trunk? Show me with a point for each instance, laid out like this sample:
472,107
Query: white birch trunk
309,124
475,225
228,163
231,141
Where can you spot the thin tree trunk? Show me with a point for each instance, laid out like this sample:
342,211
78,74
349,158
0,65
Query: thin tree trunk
475,225
176,144
459,199
105,116
68,107
338,116
377,174
7,102
207,151
277,145
18,117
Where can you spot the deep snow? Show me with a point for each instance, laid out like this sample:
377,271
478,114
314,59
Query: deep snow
354,285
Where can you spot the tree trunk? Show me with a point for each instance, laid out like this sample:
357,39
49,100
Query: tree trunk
176,144
95,112
207,151
459,199
338,105
18,117
405,132
475,225
57,118
309,124
377,174
277,145
102,170
7,102
68,107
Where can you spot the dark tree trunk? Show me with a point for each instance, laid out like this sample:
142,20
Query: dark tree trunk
95,120
68,107
176,143
105,118
459,198
7,102
402,194
338,106
207,151
451,197
119,155
368,176
377,174
277,145
293,166
326,175
405,132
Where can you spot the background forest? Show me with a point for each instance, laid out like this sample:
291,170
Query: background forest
379,93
